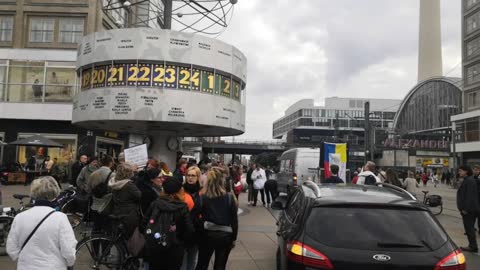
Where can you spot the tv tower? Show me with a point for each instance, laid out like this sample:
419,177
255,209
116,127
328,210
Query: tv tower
430,41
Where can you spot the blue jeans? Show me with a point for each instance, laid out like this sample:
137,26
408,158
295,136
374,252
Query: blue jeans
190,258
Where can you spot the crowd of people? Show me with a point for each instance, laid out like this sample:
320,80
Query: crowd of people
410,181
180,218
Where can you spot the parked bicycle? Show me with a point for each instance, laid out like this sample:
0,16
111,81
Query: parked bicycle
106,250
63,203
6,220
433,202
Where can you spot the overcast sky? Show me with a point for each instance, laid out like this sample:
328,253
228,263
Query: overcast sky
315,49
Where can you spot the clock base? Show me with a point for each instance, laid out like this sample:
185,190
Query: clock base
159,148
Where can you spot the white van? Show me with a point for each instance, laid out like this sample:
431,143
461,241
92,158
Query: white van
298,165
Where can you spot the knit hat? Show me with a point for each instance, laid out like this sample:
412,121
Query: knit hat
171,185
151,174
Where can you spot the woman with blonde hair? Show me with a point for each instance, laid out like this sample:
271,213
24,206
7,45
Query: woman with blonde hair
164,170
42,238
219,211
191,189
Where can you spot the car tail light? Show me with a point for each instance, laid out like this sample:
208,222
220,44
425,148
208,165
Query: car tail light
295,179
454,261
5,173
308,256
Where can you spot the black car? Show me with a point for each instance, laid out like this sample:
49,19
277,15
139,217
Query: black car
350,227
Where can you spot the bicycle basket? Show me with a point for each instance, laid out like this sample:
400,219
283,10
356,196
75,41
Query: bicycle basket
434,200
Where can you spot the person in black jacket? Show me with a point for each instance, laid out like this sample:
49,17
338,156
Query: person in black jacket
150,186
169,201
77,168
126,198
468,205
476,176
333,179
219,212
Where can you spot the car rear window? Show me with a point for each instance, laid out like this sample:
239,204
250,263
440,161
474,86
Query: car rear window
375,228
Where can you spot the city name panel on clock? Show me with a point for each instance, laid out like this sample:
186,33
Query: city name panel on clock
151,80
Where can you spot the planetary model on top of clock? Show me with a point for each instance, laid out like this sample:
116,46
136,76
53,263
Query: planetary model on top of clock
160,83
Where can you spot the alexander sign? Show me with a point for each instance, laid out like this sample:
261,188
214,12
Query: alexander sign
416,144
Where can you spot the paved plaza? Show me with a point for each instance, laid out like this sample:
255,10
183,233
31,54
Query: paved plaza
256,245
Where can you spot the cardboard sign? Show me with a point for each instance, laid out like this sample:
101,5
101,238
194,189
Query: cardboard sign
137,155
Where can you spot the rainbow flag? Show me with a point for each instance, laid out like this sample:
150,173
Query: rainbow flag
335,153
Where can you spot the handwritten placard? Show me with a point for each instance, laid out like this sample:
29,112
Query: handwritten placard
137,155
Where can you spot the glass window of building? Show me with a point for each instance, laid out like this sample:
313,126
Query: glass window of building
472,22
473,47
42,29
6,28
359,103
473,100
71,30
307,112
472,130
60,81
37,81
473,73
3,78
351,103
25,80
430,106
471,3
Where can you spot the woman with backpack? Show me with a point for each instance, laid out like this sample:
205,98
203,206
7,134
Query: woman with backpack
219,212
126,198
167,225
101,195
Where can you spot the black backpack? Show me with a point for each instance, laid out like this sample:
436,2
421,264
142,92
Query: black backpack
370,180
161,231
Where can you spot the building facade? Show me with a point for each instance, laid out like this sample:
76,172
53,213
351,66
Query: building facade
339,120
467,124
38,52
421,133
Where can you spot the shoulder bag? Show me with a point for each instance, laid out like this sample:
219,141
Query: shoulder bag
35,229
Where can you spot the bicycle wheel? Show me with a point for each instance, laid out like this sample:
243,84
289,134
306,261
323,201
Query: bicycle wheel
99,252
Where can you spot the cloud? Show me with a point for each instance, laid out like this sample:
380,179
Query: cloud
316,49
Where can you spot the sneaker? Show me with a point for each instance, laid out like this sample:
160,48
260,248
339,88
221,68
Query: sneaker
469,249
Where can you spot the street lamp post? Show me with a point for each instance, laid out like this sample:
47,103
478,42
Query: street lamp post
454,153
367,130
